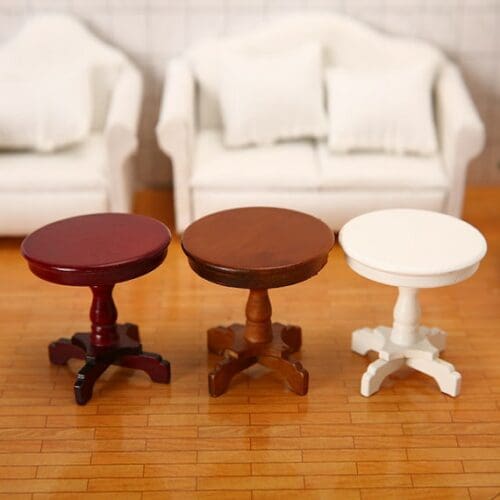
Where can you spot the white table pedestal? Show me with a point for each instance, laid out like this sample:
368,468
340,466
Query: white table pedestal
406,343
410,249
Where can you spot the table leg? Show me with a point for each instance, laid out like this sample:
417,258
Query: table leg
86,379
108,343
153,364
376,372
62,350
225,370
258,341
444,373
407,342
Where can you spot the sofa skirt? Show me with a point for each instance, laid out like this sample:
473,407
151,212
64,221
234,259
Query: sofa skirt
23,212
334,207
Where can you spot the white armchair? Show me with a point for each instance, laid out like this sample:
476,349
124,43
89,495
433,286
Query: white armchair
95,175
303,175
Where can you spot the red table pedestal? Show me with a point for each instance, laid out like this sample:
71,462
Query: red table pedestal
98,251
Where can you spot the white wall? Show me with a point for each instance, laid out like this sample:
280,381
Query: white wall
151,31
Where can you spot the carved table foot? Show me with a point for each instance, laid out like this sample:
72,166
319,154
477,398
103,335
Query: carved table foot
125,351
240,354
376,372
225,370
296,376
422,355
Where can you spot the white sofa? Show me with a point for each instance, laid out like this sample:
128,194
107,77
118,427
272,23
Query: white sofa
95,175
304,175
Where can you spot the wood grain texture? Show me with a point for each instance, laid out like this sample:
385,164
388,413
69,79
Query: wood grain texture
136,440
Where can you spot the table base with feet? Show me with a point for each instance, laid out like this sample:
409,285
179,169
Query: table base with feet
258,341
422,356
107,344
126,351
406,343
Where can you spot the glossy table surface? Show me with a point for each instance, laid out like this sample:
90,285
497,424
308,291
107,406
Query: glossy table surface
78,250
276,245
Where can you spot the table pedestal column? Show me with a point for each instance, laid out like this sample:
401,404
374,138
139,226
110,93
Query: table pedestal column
258,341
406,343
107,344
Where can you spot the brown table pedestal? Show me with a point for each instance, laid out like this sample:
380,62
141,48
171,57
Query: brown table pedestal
258,341
257,248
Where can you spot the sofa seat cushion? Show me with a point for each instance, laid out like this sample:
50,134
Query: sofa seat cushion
379,171
287,165
77,168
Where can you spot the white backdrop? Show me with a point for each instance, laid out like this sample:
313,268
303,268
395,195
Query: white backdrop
151,31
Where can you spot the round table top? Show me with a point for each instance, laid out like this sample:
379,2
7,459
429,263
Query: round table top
412,242
96,249
257,247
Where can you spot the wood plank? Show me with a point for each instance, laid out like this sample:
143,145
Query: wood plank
42,485
410,467
142,484
144,457
251,482
415,494
465,479
252,456
197,470
358,481
336,494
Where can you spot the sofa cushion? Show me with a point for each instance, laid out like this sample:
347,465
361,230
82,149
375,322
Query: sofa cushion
385,110
379,171
78,168
288,165
45,110
290,83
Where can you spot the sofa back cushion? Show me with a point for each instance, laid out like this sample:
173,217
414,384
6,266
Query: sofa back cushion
51,41
346,43
279,96
389,110
45,111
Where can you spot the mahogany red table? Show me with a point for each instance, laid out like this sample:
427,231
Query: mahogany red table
98,251
257,248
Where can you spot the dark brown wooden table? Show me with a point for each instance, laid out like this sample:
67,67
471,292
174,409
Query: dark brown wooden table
99,251
257,248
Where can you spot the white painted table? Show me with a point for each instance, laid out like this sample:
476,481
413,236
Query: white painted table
410,249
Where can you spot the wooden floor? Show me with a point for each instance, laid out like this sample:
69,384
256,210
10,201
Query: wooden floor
142,440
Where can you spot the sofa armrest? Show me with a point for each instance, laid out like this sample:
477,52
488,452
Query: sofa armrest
121,132
175,132
461,132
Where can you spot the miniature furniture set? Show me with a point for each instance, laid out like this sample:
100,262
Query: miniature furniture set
99,251
70,108
94,172
258,248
